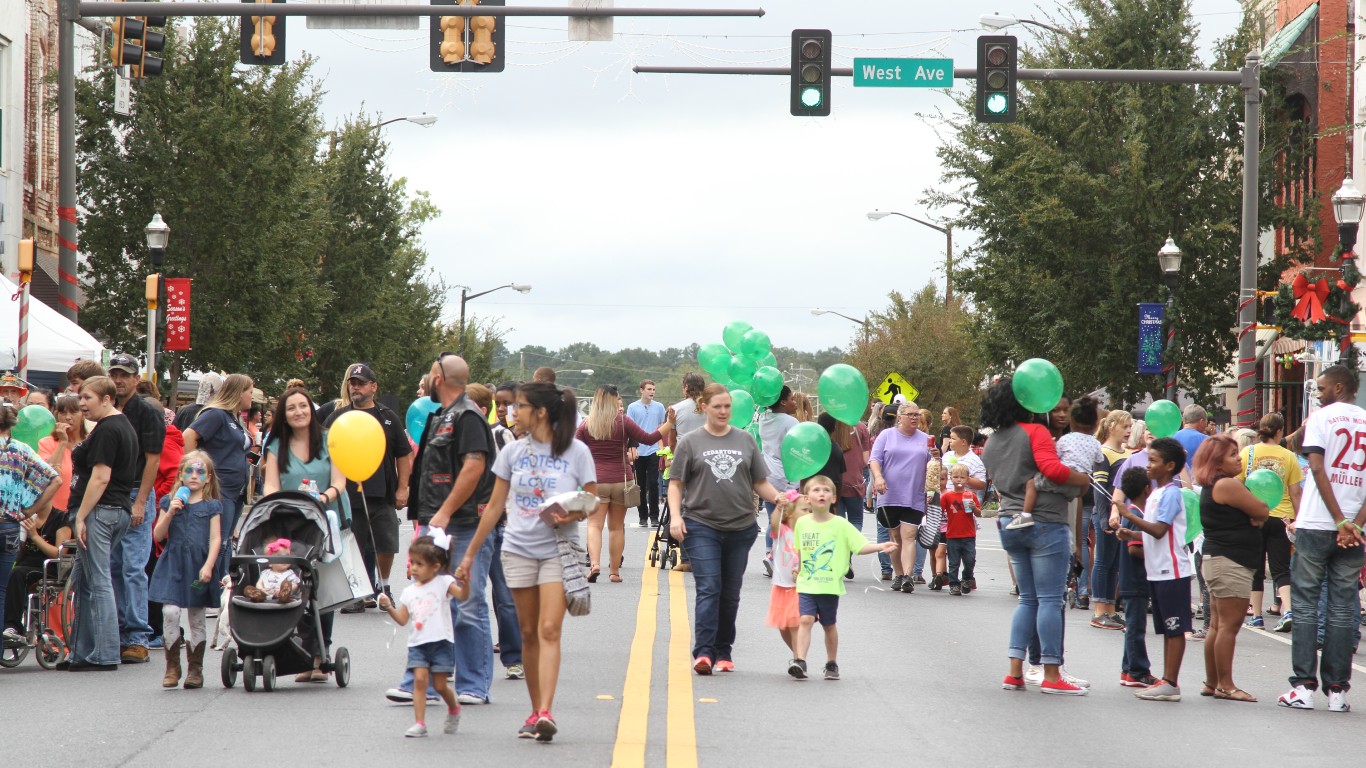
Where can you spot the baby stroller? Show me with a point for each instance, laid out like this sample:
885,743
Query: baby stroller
275,638
663,548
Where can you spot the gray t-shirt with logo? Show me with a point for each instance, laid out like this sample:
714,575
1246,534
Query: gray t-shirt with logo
718,476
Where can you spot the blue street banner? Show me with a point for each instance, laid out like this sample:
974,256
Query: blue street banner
1150,338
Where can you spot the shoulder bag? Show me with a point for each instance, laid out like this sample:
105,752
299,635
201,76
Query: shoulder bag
632,487
577,598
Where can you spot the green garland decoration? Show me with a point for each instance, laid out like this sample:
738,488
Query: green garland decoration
1339,307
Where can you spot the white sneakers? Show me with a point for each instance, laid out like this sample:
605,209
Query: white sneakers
1337,702
1021,520
1034,676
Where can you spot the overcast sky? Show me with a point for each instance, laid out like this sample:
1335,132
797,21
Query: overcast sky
611,192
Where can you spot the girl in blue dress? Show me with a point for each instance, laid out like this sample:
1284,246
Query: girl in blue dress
188,573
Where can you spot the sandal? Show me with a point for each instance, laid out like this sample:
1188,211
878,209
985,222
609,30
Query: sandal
1236,694
593,575
1208,690
615,578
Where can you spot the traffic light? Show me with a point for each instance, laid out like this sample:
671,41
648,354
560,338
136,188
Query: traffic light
810,79
468,44
263,38
997,59
127,48
153,41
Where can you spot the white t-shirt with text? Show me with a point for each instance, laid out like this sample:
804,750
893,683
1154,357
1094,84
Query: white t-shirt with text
1338,433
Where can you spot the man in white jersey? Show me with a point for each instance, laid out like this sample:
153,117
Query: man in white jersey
1328,543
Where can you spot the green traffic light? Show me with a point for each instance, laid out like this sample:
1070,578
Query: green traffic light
998,104
811,97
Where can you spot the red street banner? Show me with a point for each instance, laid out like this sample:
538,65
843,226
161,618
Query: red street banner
177,314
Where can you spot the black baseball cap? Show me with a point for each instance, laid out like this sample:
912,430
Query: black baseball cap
124,362
360,371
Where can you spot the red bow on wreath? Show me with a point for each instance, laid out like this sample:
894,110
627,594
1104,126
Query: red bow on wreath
1309,298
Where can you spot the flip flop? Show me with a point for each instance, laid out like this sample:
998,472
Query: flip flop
1208,690
614,578
593,575
1237,694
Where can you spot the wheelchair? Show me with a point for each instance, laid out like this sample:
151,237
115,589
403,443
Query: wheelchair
50,614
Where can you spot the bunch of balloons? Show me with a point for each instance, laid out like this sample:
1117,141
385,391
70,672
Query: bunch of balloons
745,365
806,447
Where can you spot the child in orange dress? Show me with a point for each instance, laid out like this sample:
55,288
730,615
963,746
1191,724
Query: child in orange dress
782,601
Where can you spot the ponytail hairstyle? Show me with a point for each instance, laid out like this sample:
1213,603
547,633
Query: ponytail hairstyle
1269,426
561,410
1114,421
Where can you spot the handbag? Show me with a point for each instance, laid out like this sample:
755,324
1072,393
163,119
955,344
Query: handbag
632,487
928,533
576,595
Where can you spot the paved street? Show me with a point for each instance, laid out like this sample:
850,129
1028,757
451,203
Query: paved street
920,681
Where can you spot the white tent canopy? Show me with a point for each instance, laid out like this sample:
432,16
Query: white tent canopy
54,342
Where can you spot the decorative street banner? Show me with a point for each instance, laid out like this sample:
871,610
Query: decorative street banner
1150,338
177,314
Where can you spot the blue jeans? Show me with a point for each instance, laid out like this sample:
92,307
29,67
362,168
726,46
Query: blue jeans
851,508
1105,569
1040,555
1323,618
883,559
128,569
919,559
1084,554
718,569
1135,660
96,638
9,552
964,552
509,632
768,534
473,635
1318,558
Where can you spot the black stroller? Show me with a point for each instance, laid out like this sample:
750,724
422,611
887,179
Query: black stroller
663,548
275,638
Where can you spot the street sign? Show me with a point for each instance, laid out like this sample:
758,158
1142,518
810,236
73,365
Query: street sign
123,93
903,73
894,384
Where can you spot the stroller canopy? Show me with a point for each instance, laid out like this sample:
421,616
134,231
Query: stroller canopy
286,515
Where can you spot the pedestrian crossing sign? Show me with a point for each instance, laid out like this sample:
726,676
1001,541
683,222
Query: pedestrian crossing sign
894,384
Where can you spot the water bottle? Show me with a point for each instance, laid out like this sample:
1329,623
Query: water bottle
183,494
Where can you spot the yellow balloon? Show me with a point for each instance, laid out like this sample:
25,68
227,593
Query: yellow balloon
356,443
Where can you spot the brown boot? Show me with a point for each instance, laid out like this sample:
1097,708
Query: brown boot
172,676
194,676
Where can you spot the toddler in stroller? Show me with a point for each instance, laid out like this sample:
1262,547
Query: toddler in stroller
279,582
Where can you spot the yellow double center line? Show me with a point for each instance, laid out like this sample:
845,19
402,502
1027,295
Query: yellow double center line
634,722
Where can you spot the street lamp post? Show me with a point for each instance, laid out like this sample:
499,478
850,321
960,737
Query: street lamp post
1347,208
158,233
947,229
1169,258
584,371
994,22
425,120
466,297
864,322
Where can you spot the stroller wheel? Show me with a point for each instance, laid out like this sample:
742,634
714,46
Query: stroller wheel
673,558
249,674
341,667
229,667
268,673
51,650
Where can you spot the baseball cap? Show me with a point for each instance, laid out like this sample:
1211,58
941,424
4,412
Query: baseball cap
123,362
10,381
360,371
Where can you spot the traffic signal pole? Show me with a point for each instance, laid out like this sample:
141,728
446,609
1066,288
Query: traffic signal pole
1248,79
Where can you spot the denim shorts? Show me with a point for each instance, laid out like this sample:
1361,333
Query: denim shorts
823,607
438,656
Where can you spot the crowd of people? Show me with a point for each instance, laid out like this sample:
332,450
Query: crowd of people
1092,510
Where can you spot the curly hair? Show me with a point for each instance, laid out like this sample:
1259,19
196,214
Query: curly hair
1000,409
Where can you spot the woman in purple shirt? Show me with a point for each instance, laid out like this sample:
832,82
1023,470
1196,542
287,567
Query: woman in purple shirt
898,464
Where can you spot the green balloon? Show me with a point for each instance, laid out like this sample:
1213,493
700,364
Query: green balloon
805,449
741,370
1192,502
766,384
1266,485
742,408
843,392
33,424
1163,418
768,361
755,344
734,333
714,359
1037,385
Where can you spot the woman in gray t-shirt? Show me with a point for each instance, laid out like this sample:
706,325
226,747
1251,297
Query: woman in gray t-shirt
717,470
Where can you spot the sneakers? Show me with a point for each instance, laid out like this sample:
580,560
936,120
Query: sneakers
797,668
1061,687
897,582
416,731
1033,675
1083,602
399,695
725,665
768,568
13,638
938,581
1199,635
515,672
1141,681
908,584
1256,622
918,579
1163,691
1337,701
356,607
1299,697
545,726
469,698
1015,590
1105,621
969,584
832,671
134,654
886,575
528,729
1012,683
1020,521
1073,679
955,589
452,722
1286,623
702,665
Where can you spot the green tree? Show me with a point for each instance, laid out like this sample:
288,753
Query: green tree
1073,200
929,343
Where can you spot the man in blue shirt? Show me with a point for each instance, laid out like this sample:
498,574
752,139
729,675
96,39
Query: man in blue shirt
648,414
1194,422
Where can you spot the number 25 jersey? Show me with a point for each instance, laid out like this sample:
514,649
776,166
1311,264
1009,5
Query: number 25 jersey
1338,433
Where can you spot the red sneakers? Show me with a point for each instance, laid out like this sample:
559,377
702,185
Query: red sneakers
725,665
702,665
1012,683
1061,687
1129,681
